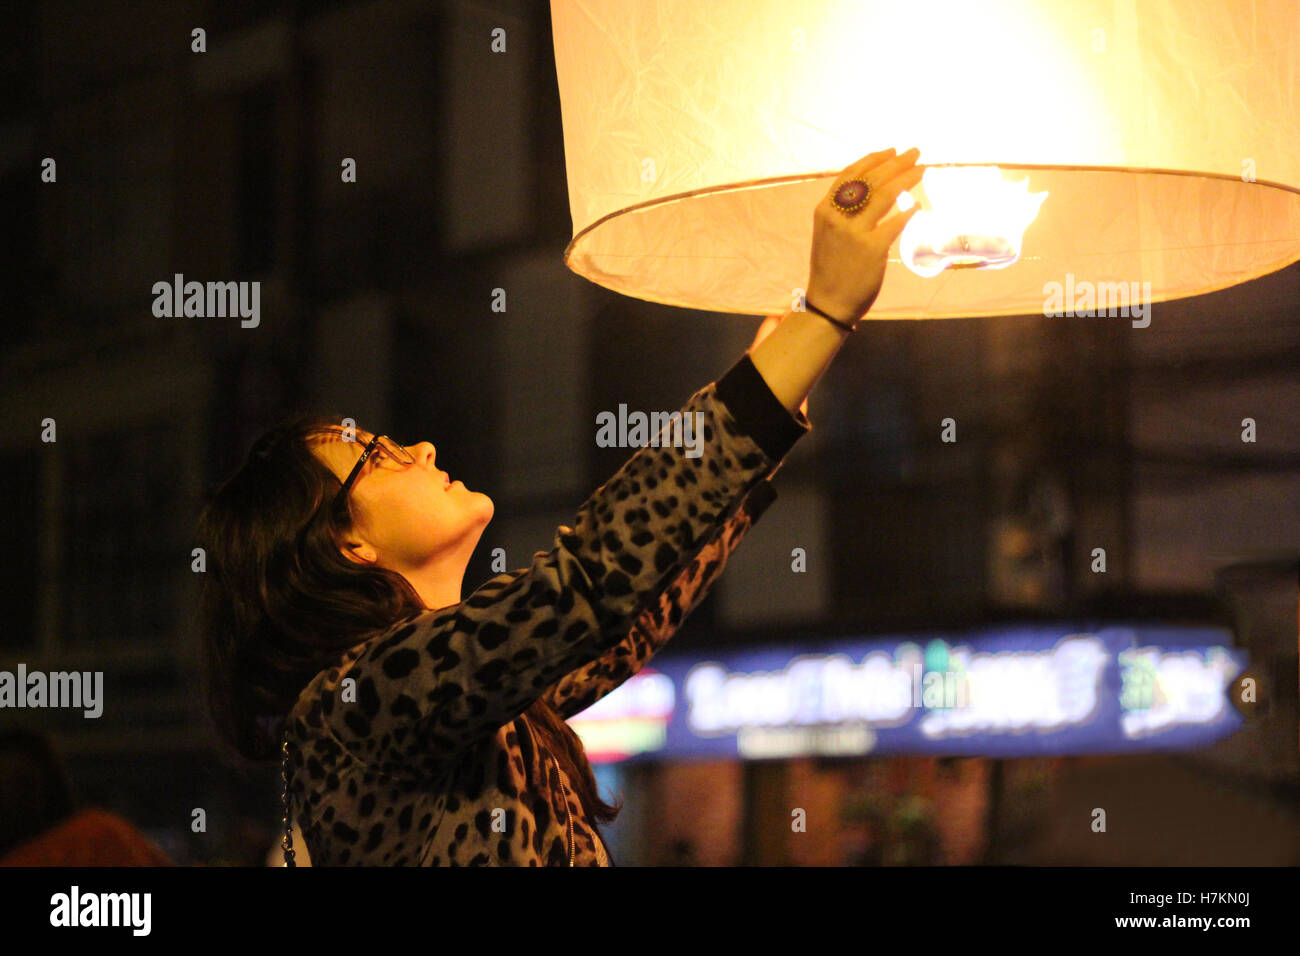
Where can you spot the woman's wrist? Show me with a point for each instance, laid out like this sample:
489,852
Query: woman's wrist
820,302
845,324
796,354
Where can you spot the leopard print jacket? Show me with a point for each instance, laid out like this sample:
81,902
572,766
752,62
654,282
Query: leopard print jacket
414,749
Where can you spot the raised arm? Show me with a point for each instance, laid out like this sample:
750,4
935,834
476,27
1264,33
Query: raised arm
578,690
849,253
442,680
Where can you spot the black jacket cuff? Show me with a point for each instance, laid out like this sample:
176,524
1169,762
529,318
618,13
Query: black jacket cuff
758,412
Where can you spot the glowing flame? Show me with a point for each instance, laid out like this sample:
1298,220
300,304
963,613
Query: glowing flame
976,220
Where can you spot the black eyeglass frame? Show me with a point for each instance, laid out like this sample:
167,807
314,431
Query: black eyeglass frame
400,455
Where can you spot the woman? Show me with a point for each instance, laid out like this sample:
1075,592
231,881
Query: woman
417,728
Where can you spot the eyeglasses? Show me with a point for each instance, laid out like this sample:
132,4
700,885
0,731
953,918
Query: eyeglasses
384,449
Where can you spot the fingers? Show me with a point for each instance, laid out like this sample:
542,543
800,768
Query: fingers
866,164
887,174
889,230
884,196
892,167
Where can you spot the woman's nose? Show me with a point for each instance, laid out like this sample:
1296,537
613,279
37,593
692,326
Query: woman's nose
425,452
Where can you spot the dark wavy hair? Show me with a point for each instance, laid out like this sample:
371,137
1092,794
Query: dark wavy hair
280,602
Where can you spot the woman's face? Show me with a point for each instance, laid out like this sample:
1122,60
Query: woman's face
408,518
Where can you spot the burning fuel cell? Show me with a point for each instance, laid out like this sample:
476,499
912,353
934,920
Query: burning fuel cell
975,220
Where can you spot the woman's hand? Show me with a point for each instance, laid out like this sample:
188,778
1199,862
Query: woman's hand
764,330
849,251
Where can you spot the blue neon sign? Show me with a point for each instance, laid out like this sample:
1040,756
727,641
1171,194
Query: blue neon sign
1006,691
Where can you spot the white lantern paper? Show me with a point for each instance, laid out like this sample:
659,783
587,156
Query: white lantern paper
700,135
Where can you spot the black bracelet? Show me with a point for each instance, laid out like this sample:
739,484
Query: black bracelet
830,318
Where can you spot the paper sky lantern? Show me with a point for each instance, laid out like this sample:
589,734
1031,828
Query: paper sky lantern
1157,141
